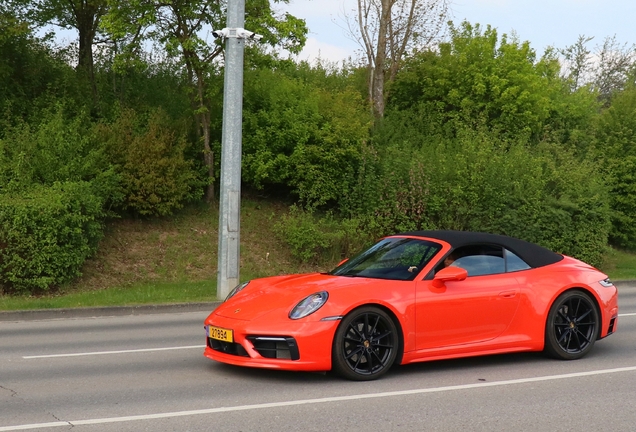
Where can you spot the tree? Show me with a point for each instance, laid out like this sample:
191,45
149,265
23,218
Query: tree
81,15
478,77
606,70
577,62
387,30
31,74
179,25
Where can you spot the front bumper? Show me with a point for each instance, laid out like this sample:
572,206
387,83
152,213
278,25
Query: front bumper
290,345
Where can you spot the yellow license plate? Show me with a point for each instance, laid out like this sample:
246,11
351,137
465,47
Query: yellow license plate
221,334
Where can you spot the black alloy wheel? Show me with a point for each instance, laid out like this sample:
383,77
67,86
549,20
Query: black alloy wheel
366,344
572,326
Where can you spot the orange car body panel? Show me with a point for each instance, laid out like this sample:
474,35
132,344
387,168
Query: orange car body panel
480,315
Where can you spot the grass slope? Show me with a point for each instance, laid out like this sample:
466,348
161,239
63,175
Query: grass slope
170,260
174,260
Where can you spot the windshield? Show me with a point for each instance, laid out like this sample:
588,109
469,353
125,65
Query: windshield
391,258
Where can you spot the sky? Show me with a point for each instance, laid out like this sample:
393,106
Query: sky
543,23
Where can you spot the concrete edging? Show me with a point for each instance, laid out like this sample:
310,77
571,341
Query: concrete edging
48,314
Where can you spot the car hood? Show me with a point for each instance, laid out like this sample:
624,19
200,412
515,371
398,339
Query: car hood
278,295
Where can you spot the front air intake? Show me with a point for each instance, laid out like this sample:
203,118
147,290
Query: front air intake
611,326
275,347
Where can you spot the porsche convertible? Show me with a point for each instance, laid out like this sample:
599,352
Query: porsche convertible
414,297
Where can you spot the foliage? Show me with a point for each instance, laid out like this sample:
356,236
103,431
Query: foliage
478,182
608,69
387,30
616,147
178,26
156,178
46,234
480,79
56,150
301,136
55,185
31,76
320,238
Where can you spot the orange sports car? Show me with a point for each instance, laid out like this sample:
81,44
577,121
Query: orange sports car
413,297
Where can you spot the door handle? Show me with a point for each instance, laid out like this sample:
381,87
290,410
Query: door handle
508,294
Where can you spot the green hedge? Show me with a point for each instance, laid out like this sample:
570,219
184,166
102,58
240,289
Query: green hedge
479,182
46,234
149,156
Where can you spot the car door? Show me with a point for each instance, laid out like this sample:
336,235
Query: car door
477,309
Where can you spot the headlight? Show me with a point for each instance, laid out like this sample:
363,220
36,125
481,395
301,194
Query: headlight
309,305
606,283
235,290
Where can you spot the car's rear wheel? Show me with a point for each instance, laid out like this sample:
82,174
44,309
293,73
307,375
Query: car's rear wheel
366,344
572,326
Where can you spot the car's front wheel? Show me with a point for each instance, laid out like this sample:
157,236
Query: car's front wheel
572,326
366,344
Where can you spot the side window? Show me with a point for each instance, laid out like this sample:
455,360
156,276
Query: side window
480,260
514,263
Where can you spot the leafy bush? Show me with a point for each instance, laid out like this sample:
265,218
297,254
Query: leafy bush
616,148
480,78
479,182
56,149
156,178
319,239
55,185
302,137
46,234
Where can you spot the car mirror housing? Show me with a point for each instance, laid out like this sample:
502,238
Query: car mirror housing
449,274
342,262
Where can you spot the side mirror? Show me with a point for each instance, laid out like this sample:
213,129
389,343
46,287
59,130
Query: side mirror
449,274
342,262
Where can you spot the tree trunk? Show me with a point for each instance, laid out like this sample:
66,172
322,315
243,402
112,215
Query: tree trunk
87,17
204,120
380,60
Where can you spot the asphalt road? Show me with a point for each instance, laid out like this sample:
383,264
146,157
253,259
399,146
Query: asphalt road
147,372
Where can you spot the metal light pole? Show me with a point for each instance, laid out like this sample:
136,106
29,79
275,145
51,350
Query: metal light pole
231,145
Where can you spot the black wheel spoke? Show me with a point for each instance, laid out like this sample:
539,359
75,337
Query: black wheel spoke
354,327
578,341
380,361
563,336
369,358
578,332
380,337
385,346
357,362
354,340
578,319
357,351
375,325
569,340
578,305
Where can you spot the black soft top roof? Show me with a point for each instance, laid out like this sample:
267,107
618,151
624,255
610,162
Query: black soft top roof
534,255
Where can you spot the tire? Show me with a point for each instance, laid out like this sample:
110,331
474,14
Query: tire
572,326
365,345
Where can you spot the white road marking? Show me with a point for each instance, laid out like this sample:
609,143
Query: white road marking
313,401
113,352
153,349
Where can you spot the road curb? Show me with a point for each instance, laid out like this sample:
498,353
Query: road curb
68,313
